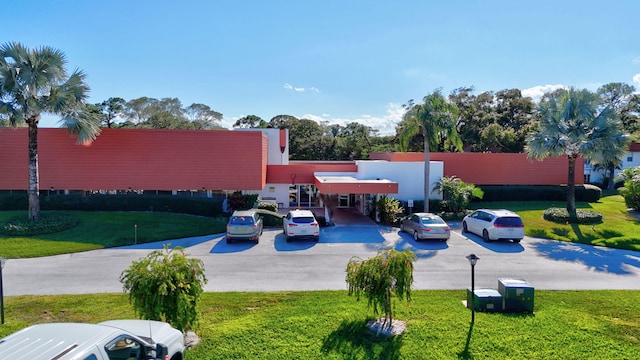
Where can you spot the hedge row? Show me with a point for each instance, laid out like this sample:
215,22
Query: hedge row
587,193
127,202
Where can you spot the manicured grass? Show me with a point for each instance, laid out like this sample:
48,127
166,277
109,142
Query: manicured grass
619,228
107,229
331,325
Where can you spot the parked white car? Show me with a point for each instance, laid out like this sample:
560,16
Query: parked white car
300,224
109,340
494,225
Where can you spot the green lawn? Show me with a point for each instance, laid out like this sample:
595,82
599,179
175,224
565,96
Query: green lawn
619,228
331,325
107,229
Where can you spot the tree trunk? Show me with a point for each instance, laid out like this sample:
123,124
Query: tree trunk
34,180
571,186
610,183
427,173
389,318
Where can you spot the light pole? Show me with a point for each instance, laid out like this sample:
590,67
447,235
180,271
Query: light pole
2,261
473,259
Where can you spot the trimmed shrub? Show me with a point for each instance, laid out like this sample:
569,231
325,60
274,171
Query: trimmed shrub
47,224
562,216
124,202
166,286
588,193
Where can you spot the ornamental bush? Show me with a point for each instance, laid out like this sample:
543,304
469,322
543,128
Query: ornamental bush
166,286
376,278
561,215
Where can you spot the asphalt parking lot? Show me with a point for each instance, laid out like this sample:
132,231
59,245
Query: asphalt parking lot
275,265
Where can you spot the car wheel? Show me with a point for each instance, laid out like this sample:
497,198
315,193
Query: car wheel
516,240
288,238
415,236
485,235
316,238
229,241
464,226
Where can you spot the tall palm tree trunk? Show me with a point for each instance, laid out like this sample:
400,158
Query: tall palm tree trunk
571,186
34,178
427,173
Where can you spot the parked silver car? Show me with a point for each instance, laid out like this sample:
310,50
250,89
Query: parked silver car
494,225
244,224
425,226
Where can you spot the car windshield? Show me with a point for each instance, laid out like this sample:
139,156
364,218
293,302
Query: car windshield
304,220
431,220
509,221
241,220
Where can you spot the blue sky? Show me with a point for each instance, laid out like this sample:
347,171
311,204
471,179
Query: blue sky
338,61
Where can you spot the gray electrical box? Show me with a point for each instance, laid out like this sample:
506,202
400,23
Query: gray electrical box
517,295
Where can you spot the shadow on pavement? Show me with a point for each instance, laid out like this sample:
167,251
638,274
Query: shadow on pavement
499,246
423,249
222,247
183,243
351,234
280,243
606,260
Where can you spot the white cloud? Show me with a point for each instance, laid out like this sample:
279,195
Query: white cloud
536,92
299,89
636,79
636,61
385,124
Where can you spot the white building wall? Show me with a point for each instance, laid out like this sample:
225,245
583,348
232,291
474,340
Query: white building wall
408,175
630,160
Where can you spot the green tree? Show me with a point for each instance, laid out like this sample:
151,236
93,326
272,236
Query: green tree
456,193
202,116
166,286
433,119
389,272
250,122
35,81
110,109
631,189
573,123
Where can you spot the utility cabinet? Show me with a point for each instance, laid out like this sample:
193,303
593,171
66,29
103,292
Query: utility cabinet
517,295
488,300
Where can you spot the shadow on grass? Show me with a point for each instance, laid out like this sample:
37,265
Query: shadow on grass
353,340
608,260
465,354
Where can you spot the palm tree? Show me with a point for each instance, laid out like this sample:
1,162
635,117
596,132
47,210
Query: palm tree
434,119
35,81
574,123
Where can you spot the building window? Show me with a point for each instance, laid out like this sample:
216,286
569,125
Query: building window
630,158
587,178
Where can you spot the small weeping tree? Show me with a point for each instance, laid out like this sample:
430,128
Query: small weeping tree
166,286
377,278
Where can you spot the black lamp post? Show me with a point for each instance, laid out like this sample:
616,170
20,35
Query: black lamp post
473,259
2,261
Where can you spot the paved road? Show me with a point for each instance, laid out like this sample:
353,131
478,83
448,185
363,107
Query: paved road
275,265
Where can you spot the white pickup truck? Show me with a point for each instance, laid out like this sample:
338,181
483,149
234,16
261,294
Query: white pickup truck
109,340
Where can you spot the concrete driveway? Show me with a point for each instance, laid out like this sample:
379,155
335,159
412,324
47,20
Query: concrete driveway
275,265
